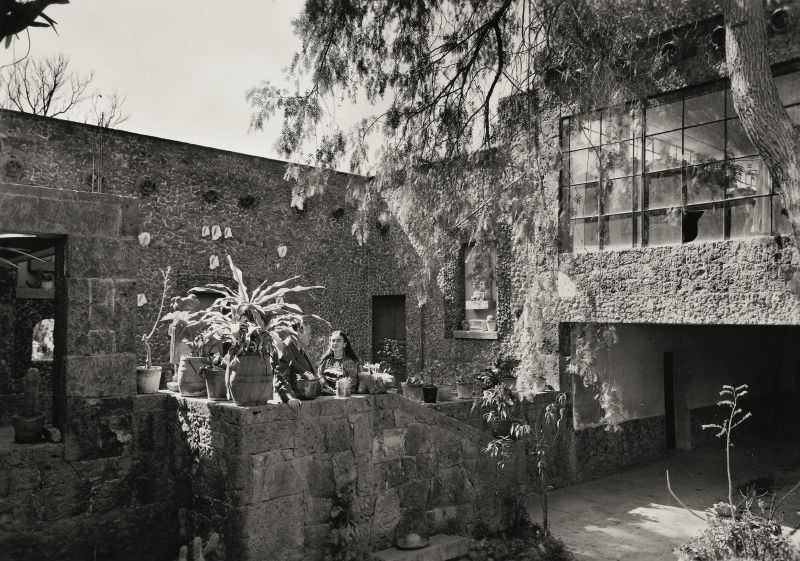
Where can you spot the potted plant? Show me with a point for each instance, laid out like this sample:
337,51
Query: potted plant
250,325
191,376
491,323
539,384
412,387
214,375
464,385
148,377
430,390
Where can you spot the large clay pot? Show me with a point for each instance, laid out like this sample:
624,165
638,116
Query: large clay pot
190,379
215,383
249,379
414,393
148,379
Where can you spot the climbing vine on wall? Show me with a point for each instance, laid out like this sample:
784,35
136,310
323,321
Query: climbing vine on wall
591,362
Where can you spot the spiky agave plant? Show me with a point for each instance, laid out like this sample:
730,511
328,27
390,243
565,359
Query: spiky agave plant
252,321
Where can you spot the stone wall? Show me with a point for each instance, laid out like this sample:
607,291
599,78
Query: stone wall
60,508
168,181
96,493
731,282
265,477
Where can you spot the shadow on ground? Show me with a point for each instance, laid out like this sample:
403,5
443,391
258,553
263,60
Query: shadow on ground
631,516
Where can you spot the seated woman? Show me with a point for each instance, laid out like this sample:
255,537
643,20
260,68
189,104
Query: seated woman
294,364
340,361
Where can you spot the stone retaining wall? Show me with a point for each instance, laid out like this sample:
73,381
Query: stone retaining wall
59,508
266,477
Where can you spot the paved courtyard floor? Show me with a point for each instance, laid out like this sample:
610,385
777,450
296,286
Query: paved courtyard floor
631,516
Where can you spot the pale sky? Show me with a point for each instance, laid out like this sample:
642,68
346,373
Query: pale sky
184,65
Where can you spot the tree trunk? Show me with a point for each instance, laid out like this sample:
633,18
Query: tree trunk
756,101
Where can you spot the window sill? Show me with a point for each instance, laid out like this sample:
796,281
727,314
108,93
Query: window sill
459,334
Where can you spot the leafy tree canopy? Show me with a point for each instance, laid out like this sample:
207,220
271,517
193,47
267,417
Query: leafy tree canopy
437,145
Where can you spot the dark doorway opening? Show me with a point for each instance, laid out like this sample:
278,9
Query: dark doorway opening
669,401
33,314
389,333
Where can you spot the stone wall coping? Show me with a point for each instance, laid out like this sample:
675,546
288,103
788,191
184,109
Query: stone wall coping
129,134
43,191
474,334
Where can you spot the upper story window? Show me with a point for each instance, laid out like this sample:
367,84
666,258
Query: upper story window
680,169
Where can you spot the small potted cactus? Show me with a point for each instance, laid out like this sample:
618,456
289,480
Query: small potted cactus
29,426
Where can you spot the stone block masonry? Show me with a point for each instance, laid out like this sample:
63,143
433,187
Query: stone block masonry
266,477
162,183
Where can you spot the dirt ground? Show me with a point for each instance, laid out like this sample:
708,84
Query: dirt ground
631,516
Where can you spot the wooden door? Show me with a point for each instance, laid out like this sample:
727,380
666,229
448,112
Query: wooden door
389,326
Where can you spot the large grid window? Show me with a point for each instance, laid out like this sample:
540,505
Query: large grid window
678,169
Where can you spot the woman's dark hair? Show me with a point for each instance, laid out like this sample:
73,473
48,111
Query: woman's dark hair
348,348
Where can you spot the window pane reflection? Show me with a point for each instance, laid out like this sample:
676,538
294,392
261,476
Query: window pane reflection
618,195
583,200
704,143
584,133
788,88
664,228
618,232
704,108
585,235
617,125
738,143
584,166
794,114
706,183
619,160
703,224
664,117
748,177
663,151
780,217
663,190
750,217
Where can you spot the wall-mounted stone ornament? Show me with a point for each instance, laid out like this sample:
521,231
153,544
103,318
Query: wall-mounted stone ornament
144,239
213,262
298,204
382,223
211,196
141,300
282,251
247,201
146,187
228,233
206,231
14,168
216,232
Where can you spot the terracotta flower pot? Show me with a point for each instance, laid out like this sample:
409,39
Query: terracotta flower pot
249,379
148,379
215,383
414,393
190,379
464,391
